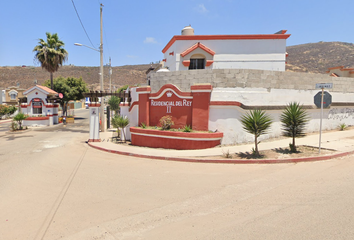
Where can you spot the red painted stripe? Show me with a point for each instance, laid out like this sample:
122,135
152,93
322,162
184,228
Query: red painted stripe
225,103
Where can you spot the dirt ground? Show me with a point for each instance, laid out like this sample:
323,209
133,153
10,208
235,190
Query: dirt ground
279,153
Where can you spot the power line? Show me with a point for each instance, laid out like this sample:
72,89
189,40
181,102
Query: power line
81,23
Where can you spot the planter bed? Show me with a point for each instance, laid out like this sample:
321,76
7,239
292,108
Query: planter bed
36,121
174,140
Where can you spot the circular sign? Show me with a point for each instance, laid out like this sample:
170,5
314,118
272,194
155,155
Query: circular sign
60,95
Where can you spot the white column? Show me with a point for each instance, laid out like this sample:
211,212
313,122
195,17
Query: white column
49,108
55,113
94,122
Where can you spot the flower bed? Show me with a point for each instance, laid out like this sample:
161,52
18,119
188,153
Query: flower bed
174,140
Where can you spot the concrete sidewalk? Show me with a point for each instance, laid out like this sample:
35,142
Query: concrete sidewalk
340,141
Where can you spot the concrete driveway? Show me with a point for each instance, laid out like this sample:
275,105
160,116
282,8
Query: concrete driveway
53,186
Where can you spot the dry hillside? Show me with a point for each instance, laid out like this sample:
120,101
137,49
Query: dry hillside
25,76
311,57
318,57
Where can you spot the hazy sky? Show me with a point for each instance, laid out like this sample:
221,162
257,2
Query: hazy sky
135,32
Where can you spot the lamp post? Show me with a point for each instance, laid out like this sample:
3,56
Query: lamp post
103,128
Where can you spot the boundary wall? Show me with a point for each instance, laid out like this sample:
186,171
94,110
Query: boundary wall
235,91
232,78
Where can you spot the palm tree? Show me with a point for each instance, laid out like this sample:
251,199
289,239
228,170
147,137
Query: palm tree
256,122
120,122
113,102
294,119
50,54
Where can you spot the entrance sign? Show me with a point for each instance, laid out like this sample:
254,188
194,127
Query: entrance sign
171,102
329,99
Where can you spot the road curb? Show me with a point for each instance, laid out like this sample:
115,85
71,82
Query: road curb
231,161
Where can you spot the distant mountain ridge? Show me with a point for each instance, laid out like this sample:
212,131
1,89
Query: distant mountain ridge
310,57
318,57
26,76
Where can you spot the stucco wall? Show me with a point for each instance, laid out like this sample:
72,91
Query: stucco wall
247,78
266,54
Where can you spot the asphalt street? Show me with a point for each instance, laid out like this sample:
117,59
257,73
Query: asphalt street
54,186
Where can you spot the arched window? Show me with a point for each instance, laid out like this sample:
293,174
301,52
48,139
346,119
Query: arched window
197,61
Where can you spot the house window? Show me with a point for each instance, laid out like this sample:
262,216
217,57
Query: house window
37,108
13,96
197,63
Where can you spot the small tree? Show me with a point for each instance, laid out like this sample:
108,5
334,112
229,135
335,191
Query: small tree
113,102
294,119
19,118
256,122
120,122
71,88
3,110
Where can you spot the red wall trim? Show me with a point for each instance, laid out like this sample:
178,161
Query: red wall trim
133,105
202,87
174,140
94,104
183,94
195,46
143,89
225,103
94,140
209,62
36,118
186,63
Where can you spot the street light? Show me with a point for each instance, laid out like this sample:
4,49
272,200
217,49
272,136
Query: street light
103,129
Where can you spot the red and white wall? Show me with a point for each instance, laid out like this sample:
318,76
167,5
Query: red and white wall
220,109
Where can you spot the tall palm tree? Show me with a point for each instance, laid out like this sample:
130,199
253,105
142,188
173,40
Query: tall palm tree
294,119
256,122
50,54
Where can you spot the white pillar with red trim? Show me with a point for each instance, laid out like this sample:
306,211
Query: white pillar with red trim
94,122
49,113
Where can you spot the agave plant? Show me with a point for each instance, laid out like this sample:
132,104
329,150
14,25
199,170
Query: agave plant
120,122
256,122
294,119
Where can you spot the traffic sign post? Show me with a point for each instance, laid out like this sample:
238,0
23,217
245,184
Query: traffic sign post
323,86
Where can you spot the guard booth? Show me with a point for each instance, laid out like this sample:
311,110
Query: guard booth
41,104
94,107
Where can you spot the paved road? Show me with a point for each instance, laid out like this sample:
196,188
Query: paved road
53,186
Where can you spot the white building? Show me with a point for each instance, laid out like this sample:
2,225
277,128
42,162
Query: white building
260,51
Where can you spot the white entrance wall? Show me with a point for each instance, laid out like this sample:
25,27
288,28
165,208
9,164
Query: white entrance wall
226,118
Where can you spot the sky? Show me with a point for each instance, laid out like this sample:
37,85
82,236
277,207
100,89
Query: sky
136,31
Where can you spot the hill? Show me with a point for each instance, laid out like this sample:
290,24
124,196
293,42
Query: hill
310,57
124,75
318,57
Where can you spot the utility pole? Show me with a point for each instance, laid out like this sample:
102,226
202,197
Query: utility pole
110,75
103,129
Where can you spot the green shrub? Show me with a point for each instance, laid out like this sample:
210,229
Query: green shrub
166,122
142,125
187,128
342,127
19,118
